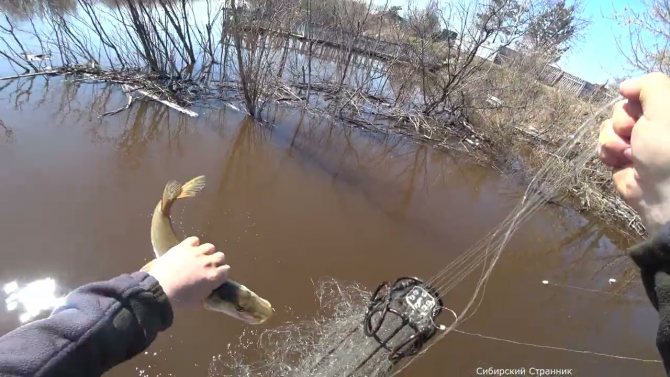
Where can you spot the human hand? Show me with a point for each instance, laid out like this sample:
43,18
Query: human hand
189,272
635,143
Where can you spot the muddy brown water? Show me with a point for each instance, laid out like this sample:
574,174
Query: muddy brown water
290,204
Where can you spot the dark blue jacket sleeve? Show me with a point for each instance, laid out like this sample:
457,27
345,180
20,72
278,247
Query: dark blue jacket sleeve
100,326
653,259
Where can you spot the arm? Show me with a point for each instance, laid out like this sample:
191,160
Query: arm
100,325
104,324
634,142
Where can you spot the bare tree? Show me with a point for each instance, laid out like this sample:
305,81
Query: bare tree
457,60
647,45
256,63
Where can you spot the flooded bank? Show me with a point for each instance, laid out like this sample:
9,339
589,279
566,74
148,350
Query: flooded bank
292,203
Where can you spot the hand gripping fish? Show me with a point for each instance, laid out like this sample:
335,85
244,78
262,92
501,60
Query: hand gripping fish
231,298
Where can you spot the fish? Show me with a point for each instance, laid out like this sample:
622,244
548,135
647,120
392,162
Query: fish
231,298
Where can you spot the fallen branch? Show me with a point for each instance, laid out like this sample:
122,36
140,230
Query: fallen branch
169,104
51,72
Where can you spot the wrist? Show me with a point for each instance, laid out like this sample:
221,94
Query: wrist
163,282
655,218
654,208
162,303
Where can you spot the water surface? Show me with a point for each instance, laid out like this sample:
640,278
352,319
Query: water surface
291,203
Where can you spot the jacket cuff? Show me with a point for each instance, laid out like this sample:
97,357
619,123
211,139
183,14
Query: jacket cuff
653,258
653,254
162,303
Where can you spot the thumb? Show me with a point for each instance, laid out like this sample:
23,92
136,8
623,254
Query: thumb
652,92
191,241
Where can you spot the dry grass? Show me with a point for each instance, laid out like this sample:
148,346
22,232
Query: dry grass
530,123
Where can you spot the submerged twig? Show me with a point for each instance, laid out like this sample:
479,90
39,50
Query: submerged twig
123,108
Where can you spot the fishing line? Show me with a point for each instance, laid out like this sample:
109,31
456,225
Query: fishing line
541,346
481,251
488,246
597,291
555,348
544,185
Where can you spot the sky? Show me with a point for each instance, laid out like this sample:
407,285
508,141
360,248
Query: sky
595,56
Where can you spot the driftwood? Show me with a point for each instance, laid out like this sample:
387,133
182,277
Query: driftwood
110,78
169,104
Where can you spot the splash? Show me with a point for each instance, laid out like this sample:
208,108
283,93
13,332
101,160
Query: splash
306,348
32,299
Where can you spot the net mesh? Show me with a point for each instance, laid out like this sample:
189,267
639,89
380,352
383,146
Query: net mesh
329,345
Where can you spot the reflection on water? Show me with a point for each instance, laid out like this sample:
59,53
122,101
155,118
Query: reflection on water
30,8
26,8
7,132
32,299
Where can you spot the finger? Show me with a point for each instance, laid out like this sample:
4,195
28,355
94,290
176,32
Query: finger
217,259
206,249
220,275
224,270
624,116
652,92
631,88
612,149
625,182
191,241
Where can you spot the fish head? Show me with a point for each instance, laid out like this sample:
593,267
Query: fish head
243,305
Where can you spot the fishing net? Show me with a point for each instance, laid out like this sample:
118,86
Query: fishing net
296,349
358,333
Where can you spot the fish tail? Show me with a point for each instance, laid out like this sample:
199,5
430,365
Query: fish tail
192,187
175,190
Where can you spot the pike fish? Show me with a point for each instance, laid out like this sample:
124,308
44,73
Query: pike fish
231,298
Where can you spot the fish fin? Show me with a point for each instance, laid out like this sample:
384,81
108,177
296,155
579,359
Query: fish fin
175,190
192,187
170,194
